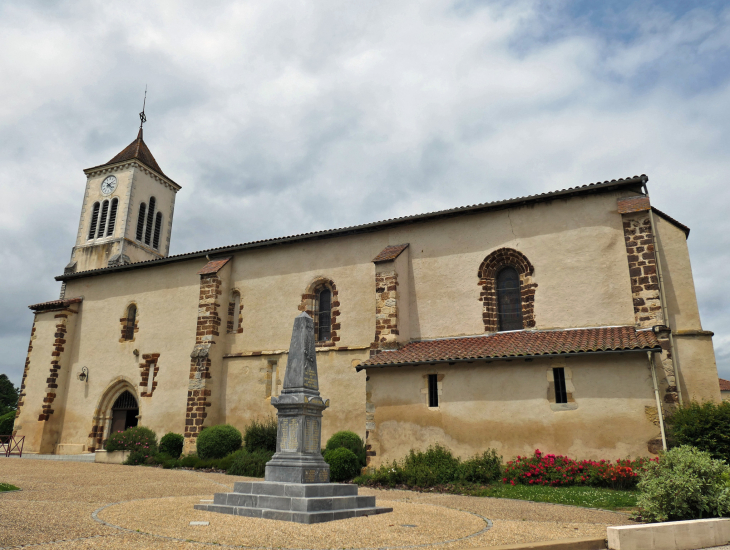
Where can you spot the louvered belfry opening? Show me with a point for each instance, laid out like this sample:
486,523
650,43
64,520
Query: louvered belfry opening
324,315
140,221
112,217
150,219
102,219
158,229
509,300
124,412
94,220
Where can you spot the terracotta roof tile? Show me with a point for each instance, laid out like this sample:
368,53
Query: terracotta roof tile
214,266
55,304
390,252
724,385
138,150
633,204
521,343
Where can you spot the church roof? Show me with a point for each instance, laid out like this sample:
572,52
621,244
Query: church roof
632,184
518,344
724,385
137,150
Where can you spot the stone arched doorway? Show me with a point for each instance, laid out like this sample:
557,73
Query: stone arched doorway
124,412
118,409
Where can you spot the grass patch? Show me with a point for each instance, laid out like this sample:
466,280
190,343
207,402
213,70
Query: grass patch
7,487
587,497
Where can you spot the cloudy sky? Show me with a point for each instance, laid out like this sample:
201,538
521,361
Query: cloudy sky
285,116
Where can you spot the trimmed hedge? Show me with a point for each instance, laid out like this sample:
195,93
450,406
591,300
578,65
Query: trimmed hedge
137,438
347,440
261,435
172,444
344,464
218,441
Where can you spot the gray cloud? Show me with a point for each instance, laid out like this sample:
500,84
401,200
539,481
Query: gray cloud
280,118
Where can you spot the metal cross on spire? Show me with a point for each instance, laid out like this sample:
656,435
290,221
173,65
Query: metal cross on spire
142,116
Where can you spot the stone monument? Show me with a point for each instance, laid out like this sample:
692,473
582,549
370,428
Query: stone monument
296,486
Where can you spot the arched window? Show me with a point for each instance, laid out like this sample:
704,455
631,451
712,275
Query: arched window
150,219
112,217
158,229
140,221
130,322
324,314
102,219
509,300
94,220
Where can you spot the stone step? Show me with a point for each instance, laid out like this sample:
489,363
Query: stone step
300,490
295,516
297,504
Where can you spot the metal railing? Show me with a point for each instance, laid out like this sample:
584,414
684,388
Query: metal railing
10,445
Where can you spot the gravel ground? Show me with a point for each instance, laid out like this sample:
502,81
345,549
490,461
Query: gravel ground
55,507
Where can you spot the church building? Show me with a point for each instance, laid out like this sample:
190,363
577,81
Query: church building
565,321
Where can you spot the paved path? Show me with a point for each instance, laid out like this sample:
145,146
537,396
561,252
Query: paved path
138,507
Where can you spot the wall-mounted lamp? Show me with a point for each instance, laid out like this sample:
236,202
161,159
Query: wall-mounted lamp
135,352
84,374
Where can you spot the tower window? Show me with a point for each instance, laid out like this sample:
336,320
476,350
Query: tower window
509,300
561,394
130,322
150,219
94,220
140,221
102,219
158,229
112,217
433,390
324,315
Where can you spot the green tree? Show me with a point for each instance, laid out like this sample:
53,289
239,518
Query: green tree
8,395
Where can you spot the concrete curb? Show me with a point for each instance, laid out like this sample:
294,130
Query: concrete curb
586,543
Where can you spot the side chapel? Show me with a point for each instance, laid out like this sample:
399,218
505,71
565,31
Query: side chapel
566,321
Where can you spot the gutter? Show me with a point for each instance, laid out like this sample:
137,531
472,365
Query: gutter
509,358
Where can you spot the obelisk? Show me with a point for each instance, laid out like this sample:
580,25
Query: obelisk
298,457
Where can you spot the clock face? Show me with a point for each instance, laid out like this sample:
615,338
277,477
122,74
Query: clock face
108,185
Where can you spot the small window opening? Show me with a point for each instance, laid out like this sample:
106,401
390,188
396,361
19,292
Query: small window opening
102,219
112,217
94,220
236,310
433,390
561,395
158,228
509,300
324,315
140,221
129,326
150,219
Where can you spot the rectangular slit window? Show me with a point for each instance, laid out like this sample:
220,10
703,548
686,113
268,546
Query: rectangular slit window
433,392
561,395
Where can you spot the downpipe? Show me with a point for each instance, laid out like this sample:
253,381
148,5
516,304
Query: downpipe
660,412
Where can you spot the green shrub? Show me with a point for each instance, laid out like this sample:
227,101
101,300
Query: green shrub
344,464
136,458
189,461
348,440
172,464
159,458
138,438
704,426
226,462
218,441
483,468
435,466
251,464
172,444
7,421
261,434
686,483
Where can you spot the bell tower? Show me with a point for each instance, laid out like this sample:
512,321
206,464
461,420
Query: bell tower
127,212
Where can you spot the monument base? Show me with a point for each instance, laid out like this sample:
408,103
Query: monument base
297,502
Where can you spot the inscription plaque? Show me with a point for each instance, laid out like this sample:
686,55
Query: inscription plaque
311,435
289,434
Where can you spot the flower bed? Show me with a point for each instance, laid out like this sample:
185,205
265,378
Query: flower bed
559,470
